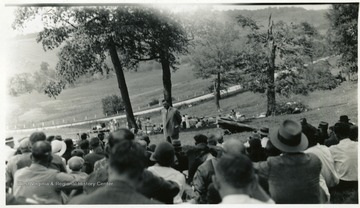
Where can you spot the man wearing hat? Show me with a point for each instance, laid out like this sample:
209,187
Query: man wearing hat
164,158
345,119
56,162
39,180
323,132
293,176
9,148
171,121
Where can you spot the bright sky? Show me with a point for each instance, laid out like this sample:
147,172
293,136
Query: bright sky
36,25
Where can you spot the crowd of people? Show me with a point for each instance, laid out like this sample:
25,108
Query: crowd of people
295,163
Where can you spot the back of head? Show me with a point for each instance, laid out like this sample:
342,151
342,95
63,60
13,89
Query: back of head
75,163
235,170
50,138
311,133
212,140
94,142
353,135
119,135
25,145
58,137
146,139
101,136
234,147
69,143
37,136
164,154
342,130
41,151
84,144
200,138
127,157
142,143
83,136
77,152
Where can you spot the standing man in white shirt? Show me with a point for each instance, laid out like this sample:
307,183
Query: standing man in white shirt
345,155
171,122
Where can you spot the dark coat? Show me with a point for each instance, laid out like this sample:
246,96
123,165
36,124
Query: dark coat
91,158
151,187
116,192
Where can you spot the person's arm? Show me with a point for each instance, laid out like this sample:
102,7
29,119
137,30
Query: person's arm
158,188
259,193
199,186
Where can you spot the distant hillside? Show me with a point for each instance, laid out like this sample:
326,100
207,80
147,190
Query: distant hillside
24,54
286,14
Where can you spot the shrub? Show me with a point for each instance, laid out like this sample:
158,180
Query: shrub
283,108
320,77
154,101
112,104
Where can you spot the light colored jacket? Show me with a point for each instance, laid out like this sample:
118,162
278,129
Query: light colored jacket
171,122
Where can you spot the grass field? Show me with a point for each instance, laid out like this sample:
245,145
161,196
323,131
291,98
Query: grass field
85,101
324,106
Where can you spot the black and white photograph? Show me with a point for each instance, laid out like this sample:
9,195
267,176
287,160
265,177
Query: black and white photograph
180,103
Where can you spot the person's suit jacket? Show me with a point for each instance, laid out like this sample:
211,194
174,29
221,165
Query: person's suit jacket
171,122
116,192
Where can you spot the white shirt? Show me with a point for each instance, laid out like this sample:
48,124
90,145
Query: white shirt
345,157
172,175
264,142
242,199
328,170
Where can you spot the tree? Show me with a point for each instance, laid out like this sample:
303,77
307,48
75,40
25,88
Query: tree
214,54
343,33
112,104
279,48
20,84
166,38
86,36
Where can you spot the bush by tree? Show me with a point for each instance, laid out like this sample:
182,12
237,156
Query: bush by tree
112,105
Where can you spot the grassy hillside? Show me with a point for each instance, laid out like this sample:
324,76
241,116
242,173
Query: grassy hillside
85,101
324,106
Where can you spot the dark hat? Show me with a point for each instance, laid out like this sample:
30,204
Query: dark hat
164,154
200,138
9,139
342,129
264,131
323,124
344,118
255,135
176,144
289,138
77,152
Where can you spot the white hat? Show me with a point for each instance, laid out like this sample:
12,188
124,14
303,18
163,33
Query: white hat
58,147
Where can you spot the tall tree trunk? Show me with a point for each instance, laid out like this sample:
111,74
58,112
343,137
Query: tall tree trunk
122,85
271,102
166,79
217,91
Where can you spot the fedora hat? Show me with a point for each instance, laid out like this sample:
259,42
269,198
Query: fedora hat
289,138
264,131
344,118
323,124
58,147
164,154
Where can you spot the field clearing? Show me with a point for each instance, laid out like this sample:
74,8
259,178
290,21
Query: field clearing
324,106
85,101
